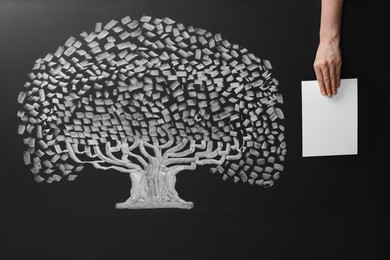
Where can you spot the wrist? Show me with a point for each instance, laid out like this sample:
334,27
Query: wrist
330,39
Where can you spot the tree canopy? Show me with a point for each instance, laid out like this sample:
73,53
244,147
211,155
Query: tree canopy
156,83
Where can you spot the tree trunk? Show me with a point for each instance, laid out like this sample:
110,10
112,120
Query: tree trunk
154,188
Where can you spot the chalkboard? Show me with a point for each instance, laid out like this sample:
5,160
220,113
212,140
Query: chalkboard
320,208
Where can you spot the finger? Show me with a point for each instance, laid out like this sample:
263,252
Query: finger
338,73
320,80
338,81
327,82
333,79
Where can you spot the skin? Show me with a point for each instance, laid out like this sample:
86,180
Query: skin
327,63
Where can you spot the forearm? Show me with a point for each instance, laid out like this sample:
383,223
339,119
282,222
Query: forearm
327,64
330,27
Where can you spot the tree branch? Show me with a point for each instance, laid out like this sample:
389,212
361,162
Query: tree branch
171,150
154,147
178,168
88,152
144,152
96,164
126,152
208,153
236,145
184,153
115,162
105,158
219,151
118,168
192,166
73,155
166,145
234,157
109,154
202,157
117,147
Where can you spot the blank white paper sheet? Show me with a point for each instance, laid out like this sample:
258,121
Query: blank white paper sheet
329,125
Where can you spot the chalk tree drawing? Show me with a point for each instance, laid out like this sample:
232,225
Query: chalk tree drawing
152,98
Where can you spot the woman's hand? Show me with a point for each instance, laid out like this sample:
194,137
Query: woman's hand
327,63
327,67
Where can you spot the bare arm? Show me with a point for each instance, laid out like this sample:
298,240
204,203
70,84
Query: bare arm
327,64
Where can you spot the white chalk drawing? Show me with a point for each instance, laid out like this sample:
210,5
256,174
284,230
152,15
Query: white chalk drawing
152,98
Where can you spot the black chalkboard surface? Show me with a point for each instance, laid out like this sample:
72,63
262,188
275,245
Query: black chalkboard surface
321,208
